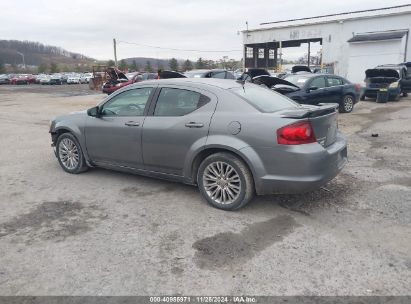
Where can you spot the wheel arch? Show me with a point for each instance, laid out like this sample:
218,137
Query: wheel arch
212,149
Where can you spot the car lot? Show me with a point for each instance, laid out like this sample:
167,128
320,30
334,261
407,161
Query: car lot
109,233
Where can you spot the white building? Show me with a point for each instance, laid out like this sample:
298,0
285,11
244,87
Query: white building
351,42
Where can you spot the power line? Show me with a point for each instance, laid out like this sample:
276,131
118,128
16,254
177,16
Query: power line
180,50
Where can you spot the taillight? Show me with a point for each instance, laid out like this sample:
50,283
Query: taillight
357,87
296,134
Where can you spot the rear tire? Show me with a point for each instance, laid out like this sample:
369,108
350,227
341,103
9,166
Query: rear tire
225,181
362,97
70,155
347,104
404,94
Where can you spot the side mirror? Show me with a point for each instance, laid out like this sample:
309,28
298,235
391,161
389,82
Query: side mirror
94,112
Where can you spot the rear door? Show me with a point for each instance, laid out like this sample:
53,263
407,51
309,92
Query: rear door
178,123
406,81
335,89
114,138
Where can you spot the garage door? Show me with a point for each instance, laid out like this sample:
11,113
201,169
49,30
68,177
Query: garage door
367,55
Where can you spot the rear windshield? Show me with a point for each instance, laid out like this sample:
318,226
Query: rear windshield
263,99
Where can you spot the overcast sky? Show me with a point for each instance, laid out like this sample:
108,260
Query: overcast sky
88,26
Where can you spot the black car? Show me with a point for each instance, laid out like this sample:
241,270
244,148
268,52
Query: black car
392,80
320,88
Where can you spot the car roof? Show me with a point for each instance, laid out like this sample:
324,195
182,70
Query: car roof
311,75
390,66
210,82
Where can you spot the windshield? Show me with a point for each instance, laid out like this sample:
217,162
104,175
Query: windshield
298,80
265,100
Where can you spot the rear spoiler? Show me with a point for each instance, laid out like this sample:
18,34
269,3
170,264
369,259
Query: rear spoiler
308,111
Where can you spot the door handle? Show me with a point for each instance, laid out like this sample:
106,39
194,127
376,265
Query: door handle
132,123
192,124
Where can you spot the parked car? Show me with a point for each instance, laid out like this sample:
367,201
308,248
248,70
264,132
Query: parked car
45,80
73,79
389,78
231,139
214,73
23,79
117,79
321,88
4,79
309,88
56,79
85,78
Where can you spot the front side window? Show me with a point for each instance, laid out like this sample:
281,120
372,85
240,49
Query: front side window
178,102
128,103
318,82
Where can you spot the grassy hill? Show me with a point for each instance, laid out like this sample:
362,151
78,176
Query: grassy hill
37,54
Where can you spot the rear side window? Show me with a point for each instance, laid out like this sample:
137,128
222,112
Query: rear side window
264,100
178,102
334,81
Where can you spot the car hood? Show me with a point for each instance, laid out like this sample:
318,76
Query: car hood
116,74
271,81
257,72
171,74
370,73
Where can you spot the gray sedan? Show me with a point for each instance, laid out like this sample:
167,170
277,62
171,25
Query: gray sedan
232,140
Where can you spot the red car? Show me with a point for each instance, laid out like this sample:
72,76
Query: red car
23,79
119,80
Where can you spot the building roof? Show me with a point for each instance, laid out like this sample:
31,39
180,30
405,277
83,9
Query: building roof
378,36
370,13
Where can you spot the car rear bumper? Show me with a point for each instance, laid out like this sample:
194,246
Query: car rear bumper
373,92
298,169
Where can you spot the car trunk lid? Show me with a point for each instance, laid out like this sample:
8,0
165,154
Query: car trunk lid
323,119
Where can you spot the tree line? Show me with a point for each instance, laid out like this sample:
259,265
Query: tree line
175,65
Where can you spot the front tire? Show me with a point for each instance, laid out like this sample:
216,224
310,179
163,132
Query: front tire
225,181
69,154
347,104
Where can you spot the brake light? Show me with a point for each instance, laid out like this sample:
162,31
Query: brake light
357,87
296,134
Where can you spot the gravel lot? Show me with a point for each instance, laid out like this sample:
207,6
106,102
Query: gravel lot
109,233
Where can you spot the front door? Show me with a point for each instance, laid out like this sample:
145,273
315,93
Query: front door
178,123
334,90
316,92
115,137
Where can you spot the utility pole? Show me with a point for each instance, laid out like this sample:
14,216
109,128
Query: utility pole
115,51
309,54
24,62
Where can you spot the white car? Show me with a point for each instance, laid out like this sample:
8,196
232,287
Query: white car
73,79
45,79
85,78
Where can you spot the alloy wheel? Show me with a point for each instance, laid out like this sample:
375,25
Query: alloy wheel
221,182
348,103
69,154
